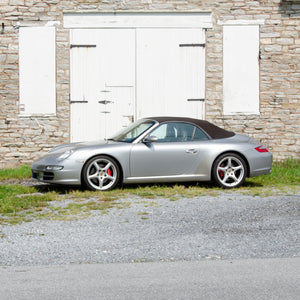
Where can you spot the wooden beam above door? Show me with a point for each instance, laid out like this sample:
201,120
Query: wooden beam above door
138,20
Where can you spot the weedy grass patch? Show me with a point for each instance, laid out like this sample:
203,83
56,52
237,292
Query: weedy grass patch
19,203
284,179
16,201
22,172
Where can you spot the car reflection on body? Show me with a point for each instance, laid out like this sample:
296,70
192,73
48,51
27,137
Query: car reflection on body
158,149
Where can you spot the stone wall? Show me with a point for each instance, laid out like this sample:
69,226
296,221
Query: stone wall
24,138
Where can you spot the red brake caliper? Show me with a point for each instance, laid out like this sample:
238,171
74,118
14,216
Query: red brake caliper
109,172
221,173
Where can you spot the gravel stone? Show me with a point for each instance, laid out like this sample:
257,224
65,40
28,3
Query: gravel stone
230,226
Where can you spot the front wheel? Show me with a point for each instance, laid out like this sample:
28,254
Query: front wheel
229,170
101,173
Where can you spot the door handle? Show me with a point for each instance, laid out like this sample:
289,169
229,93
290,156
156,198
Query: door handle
191,151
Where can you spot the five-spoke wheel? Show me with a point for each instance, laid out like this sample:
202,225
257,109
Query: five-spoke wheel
101,173
229,170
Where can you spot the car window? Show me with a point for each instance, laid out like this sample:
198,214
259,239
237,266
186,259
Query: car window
178,132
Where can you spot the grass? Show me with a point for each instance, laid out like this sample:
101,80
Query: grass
20,203
21,172
284,178
283,173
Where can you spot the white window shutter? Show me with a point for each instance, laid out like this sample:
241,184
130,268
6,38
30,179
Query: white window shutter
37,70
241,69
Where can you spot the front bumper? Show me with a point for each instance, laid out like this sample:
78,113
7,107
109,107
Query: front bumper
50,171
57,177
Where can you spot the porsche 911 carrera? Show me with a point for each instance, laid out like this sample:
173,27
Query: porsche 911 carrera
157,149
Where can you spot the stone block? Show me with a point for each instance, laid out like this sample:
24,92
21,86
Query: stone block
285,41
16,2
273,48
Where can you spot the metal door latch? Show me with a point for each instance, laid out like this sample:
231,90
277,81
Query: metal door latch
105,102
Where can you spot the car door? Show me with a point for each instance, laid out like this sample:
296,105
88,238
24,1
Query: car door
175,151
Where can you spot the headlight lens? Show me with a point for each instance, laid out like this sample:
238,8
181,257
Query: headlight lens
54,168
65,155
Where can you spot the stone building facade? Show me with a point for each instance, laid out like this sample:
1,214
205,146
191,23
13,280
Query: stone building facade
277,124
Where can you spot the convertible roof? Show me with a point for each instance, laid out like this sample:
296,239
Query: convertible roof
212,130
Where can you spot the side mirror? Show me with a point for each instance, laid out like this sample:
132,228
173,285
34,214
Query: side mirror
150,139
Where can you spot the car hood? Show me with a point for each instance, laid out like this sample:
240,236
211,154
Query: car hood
80,145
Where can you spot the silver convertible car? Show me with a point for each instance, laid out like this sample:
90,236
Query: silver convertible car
159,149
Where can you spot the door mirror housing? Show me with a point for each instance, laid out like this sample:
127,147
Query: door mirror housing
150,139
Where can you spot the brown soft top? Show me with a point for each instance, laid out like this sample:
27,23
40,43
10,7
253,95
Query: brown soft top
212,130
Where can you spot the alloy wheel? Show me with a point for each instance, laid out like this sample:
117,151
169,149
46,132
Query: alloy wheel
101,173
230,171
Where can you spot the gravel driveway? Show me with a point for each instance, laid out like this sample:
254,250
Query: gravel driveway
229,226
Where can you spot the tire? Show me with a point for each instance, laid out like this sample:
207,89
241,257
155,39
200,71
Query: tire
229,170
101,173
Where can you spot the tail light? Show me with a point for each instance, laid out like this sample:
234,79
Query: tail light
261,149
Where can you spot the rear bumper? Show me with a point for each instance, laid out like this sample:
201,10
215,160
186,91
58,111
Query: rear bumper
260,172
261,165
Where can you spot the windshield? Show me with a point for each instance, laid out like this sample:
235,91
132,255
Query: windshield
130,133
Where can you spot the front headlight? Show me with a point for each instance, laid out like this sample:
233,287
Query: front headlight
54,168
65,155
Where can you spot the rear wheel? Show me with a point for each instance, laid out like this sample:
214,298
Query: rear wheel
229,170
101,173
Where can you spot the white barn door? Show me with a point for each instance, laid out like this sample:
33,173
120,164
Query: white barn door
84,121
118,75
102,82
171,72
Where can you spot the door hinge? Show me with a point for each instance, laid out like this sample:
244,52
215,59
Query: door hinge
82,46
191,45
196,99
78,101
